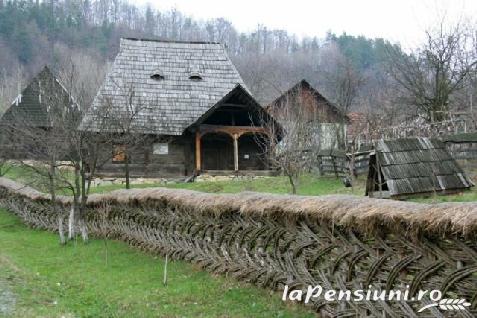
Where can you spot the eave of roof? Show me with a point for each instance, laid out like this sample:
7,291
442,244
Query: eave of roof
251,101
170,41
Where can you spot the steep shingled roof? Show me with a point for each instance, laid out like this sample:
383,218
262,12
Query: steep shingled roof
164,78
415,165
44,94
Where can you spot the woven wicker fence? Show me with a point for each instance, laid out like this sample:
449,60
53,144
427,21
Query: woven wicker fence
338,242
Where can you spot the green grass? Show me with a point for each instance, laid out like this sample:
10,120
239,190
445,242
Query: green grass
466,196
77,280
308,186
29,177
20,173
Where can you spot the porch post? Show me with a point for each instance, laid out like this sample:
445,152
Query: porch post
197,152
235,137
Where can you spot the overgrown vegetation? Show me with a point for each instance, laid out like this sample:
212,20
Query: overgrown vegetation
34,33
77,280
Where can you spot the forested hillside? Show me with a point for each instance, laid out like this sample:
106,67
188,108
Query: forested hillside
351,71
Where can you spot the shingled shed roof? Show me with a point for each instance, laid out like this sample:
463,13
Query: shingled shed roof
412,166
175,83
43,95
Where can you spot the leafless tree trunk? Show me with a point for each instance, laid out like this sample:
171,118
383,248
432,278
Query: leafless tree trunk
56,210
126,167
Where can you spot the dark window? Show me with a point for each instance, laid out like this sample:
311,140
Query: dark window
157,77
119,153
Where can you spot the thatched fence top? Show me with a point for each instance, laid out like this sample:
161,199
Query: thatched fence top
360,214
339,242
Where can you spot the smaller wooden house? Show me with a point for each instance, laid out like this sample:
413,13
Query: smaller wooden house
404,167
304,101
35,111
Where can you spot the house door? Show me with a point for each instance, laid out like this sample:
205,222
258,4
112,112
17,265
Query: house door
217,152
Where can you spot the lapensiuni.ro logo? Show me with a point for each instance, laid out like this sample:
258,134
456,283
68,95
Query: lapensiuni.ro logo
433,297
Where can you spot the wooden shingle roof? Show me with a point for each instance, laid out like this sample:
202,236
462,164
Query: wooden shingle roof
42,96
164,77
418,165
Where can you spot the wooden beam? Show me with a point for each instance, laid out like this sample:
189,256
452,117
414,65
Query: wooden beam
198,164
230,105
235,136
230,130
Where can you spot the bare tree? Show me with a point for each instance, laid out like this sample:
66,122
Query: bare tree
347,83
430,76
5,166
62,157
38,142
292,145
11,82
123,126
84,153
341,76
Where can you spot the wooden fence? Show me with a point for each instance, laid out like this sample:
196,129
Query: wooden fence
463,151
333,162
338,163
361,162
337,242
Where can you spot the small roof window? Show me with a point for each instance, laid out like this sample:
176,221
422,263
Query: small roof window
195,72
195,76
157,75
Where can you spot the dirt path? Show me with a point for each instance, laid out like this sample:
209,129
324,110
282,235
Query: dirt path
7,299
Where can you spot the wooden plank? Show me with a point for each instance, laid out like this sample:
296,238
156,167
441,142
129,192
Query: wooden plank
197,152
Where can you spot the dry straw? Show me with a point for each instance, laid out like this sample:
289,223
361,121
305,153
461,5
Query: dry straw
359,213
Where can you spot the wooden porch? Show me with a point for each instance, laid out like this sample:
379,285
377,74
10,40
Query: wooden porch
234,132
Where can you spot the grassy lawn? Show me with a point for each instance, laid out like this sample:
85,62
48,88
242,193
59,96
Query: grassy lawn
20,173
467,196
39,278
29,177
309,185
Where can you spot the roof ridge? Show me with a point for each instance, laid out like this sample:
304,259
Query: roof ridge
170,41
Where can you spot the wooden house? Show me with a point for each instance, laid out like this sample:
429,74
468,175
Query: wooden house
188,104
304,101
404,167
35,111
